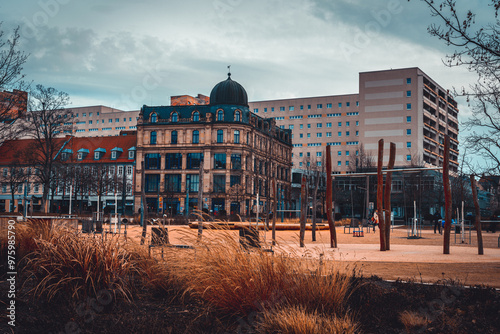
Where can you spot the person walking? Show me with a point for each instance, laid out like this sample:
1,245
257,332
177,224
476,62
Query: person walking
436,219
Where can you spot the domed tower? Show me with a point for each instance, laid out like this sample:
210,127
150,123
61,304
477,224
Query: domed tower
229,92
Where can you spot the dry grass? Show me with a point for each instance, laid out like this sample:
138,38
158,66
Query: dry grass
413,320
226,276
74,265
296,320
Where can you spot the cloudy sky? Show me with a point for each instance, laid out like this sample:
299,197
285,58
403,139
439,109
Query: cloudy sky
126,53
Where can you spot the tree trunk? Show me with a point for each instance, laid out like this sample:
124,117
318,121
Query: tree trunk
387,196
380,194
303,210
477,222
315,194
447,196
329,211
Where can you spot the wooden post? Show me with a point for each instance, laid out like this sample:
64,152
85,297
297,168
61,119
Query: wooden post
200,200
329,209
144,205
387,196
477,222
273,235
380,194
303,210
447,196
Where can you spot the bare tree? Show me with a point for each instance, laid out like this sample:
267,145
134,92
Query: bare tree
11,65
14,178
45,122
477,49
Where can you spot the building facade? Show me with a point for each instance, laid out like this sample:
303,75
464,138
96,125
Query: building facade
220,149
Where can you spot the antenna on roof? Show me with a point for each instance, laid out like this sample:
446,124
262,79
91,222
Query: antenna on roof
229,70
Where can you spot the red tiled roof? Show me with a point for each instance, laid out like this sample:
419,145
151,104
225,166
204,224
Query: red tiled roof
9,151
107,143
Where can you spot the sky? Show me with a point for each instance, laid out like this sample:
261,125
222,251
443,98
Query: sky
125,54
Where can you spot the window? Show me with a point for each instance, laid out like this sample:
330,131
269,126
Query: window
408,157
408,106
282,108
193,160
308,154
408,81
272,109
357,103
340,104
220,115
347,163
339,163
308,106
308,126
196,137
83,115
152,161
357,133
234,180
340,134
90,122
328,134
346,153
173,161
328,125
129,170
236,161
301,107
237,116
319,135
408,93
219,161
152,181
219,183
236,136
319,106
120,170
131,154
301,135
318,154
172,183
408,132
173,137
110,120
308,135
347,133
301,154
290,127
154,118
265,109
357,123
196,116
318,163
175,117
340,124
193,182
408,144
300,164
256,110
5,172
408,119
113,155
301,126
328,105
97,155
347,123
348,104
290,108
339,153
319,125
220,136
152,138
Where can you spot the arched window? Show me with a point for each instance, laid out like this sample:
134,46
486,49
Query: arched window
154,118
220,136
237,116
236,136
173,137
175,117
152,138
196,116
220,115
196,137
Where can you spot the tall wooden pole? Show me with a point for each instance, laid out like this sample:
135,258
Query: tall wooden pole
329,209
447,196
303,210
273,235
477,222
144,205
387,196
200,199
380,194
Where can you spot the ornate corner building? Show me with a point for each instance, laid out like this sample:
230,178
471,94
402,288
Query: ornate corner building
239,153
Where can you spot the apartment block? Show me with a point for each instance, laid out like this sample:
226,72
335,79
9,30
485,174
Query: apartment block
404,106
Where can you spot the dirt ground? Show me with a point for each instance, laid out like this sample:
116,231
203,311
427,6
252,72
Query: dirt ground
418,259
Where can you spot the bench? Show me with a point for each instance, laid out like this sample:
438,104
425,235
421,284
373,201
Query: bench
354,225
358,233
